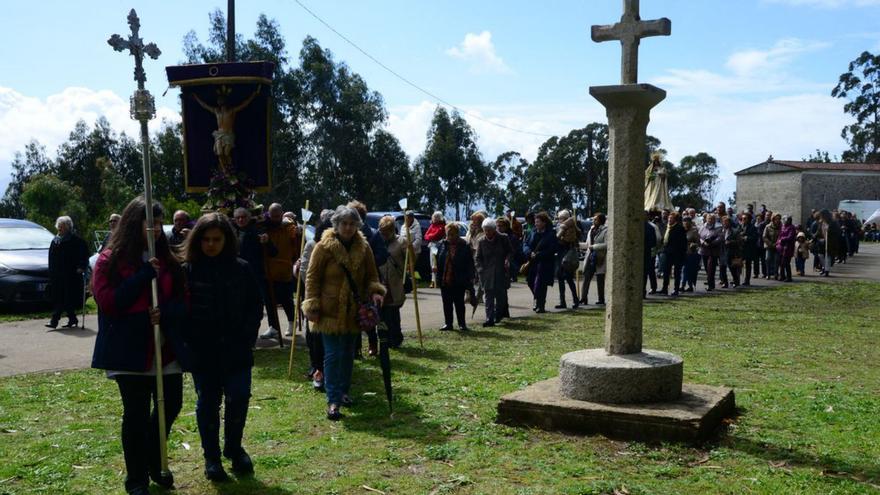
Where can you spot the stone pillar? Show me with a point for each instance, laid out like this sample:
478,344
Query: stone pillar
628,108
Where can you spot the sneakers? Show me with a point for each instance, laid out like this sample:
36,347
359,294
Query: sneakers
270,333
289,331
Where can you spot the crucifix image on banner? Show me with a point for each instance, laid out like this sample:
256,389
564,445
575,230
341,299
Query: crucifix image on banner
226,123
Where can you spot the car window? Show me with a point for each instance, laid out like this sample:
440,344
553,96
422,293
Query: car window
15,238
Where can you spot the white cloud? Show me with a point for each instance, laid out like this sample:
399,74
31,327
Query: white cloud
479,51
753,62
827,4
50,120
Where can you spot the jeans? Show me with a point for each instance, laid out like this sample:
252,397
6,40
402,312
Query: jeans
212,389
140,422
692,268
800,264
338,364
453,297
772,260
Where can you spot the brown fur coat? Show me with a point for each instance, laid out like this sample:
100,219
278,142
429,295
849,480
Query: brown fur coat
327,289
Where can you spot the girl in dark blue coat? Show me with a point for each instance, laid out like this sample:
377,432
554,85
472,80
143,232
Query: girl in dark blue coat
224,317
541,253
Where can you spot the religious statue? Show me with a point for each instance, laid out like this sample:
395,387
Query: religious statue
224,136
656,186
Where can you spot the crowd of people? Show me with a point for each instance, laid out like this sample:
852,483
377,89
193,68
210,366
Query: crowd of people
217,276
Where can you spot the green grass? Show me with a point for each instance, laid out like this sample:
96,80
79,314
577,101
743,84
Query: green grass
38,312
802,358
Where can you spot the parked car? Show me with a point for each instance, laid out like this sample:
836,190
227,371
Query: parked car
24,262
423,263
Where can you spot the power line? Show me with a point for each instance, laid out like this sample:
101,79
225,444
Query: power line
414,85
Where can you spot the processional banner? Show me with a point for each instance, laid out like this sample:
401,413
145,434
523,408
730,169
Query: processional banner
226,122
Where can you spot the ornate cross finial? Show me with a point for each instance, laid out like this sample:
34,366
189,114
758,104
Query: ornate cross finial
135,45
630,30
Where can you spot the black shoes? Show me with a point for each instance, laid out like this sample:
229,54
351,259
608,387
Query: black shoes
540,310
242,464
333,413
52,324
165,480
214,470
489,323
347,401
71,324
138,490
464,328
560,306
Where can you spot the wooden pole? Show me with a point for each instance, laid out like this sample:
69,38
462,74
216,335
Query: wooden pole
230,31
410,265
296,312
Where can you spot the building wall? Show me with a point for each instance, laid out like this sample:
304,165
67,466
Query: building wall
826,189
780,191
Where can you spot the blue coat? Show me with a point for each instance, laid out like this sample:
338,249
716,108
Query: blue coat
544,245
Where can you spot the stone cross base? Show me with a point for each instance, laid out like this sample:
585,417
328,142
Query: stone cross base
593,375
694,417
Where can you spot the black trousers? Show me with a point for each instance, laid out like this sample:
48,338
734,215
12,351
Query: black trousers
710,263
316,349
233,388
650,272
678,265
140,423
747,271
453,297
390,315
283,296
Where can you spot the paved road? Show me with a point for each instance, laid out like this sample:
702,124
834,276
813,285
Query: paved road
27,347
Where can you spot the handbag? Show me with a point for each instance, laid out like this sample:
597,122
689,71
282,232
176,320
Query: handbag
524,268
570,260
367,313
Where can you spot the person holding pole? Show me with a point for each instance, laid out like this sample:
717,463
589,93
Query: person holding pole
391,274
225,310
284,237
125,347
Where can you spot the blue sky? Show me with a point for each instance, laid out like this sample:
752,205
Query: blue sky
745,79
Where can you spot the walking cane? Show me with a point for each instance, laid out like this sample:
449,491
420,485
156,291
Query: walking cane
410,265
577,272
306,215
85,286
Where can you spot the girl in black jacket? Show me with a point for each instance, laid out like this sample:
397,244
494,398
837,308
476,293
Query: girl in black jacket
225,311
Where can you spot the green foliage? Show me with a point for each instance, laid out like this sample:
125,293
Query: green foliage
693,183
451,171
46,197
860,85
571,171
820,157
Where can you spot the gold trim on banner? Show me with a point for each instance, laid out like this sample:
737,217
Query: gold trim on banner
204,81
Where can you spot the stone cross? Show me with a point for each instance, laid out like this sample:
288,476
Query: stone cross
135,45
630,30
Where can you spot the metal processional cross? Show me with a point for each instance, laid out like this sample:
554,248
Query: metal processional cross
630,30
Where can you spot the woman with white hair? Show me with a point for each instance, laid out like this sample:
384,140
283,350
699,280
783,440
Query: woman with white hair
341,276
492,263
68,260
435,234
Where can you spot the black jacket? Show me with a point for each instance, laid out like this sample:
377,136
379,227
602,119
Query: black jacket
225,311
251,250
462,265
676,245
67,255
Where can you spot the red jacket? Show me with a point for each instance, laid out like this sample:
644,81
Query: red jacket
436,232
125,336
